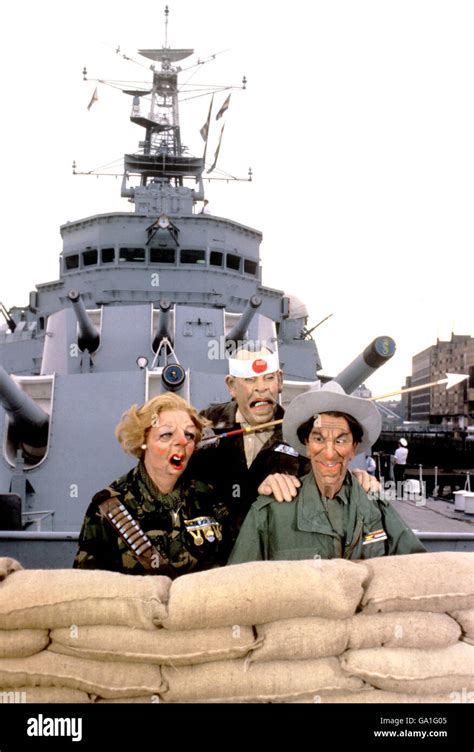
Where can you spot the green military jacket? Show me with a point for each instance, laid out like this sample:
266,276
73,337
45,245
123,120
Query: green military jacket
162,518
303,530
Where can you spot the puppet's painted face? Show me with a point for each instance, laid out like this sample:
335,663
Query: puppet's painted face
170,444
256,397
330,448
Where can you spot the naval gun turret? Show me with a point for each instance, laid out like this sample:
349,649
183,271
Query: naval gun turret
237,333
380,350
28,422
6,315
163,327
88,337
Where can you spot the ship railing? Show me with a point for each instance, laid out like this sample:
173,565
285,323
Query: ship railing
154,117
37,518
13,516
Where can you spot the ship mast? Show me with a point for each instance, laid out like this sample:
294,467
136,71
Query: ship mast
161,155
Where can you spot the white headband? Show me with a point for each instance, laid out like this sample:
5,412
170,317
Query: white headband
247,369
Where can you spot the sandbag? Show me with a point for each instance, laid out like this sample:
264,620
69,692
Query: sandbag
33,695
102,678
364,696
265,591
414,671
314,637
240,680
38,599
442,581
465,620
143,700
409,629
7,566
378,696
160,646
301,639
18,643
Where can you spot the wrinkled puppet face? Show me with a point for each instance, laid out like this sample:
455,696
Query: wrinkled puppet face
256,397
170,442
330,449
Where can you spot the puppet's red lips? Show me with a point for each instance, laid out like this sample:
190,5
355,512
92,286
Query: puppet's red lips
177,460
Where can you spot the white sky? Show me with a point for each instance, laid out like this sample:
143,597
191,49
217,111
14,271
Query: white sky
358,123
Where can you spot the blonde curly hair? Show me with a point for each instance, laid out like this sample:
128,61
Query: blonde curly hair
135,423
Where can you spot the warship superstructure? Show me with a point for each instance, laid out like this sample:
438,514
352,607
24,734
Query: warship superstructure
146,301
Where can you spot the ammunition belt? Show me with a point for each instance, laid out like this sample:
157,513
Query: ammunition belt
131,533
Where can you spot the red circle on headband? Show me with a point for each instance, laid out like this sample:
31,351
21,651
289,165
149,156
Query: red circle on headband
259,365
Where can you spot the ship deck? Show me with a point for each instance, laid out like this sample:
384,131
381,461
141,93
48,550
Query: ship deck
437,524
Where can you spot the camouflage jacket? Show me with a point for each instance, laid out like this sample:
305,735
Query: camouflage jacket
162,518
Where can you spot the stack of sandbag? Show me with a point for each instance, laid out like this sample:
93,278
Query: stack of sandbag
255,594
437,592
35,603
394,629
383,630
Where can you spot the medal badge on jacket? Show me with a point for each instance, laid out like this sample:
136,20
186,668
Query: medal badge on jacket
374,536
203,528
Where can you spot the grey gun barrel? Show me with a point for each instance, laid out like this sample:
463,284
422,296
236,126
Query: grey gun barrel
88,337
163,328
375,355
237,333
28,421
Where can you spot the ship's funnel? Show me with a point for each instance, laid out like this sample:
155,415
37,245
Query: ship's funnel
237,334
88,337
375,355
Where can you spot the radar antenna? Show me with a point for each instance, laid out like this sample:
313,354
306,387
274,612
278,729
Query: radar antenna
166,25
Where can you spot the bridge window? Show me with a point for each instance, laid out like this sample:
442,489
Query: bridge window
107,255
216,258
132,254
190,256
250,267
89,258
71,262
162,255
233,262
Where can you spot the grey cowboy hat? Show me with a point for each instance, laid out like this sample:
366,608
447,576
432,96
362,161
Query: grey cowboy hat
331,397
